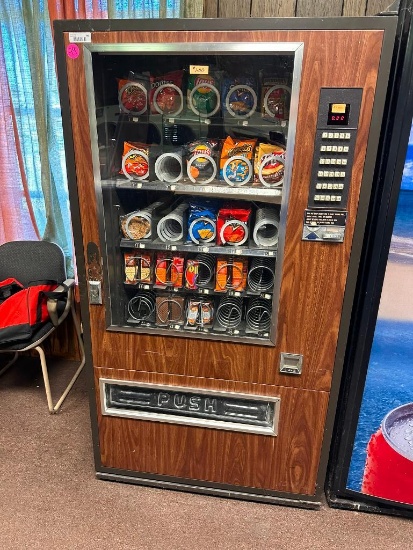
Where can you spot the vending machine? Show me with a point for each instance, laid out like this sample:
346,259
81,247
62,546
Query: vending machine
220,173
371,464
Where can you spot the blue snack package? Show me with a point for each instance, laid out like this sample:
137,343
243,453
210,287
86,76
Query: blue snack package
239,96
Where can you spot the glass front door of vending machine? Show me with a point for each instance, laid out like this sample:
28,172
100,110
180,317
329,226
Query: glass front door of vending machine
215,175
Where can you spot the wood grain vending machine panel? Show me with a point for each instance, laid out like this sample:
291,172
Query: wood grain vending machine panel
219,174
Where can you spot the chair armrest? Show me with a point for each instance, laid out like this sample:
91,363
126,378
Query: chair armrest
65,289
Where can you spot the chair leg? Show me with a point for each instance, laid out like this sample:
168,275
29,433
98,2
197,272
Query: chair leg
55,408
40,351
10,363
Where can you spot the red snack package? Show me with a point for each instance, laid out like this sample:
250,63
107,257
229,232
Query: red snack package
135,160
232,225
166,93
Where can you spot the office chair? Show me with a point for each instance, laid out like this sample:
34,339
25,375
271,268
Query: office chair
30,262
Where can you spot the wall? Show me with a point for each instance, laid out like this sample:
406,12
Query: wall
293,8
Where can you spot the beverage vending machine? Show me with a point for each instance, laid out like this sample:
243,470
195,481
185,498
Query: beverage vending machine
219,173
371,465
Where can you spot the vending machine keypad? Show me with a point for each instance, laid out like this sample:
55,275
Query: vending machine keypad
332,163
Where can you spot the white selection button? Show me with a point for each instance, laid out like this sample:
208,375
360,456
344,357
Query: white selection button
322,148
336,135
345,149
333,161
331,135
342,174
338,161
340,186
347,136
328,148
324,135
318,185
320,174
322,161
344,162
340,149
341,136
324,186
334,148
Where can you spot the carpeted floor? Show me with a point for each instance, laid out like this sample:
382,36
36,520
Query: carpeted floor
49,497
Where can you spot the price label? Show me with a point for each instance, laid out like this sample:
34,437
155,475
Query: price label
238,251
173,187
142,245
198,69
83,37
173,247
271,253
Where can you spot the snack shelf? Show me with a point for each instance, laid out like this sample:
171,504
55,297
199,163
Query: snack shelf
181,246
197,332
199,291
215,188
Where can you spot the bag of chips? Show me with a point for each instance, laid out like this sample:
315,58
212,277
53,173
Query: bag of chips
239,96
135,160
232,166
203,96
269,165
166,93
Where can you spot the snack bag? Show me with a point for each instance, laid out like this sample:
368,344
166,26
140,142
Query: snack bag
231,274
138,267
201,160
166,93
232,168
170,310
232,225
133,95
191,274
135,160
134,226
203,95
239,96
199,312
275,99
202,221
169,270
269,165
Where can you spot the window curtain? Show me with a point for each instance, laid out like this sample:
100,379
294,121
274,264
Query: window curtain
34,203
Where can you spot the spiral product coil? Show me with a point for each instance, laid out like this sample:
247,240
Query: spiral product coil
229,312
261,274
206,269
142,306
267,221
168,167
171,227
258,314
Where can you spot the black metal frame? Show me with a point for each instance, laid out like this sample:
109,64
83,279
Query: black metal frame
392,153
388,25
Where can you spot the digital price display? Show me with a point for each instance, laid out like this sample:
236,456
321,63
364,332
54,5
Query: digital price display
338,114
